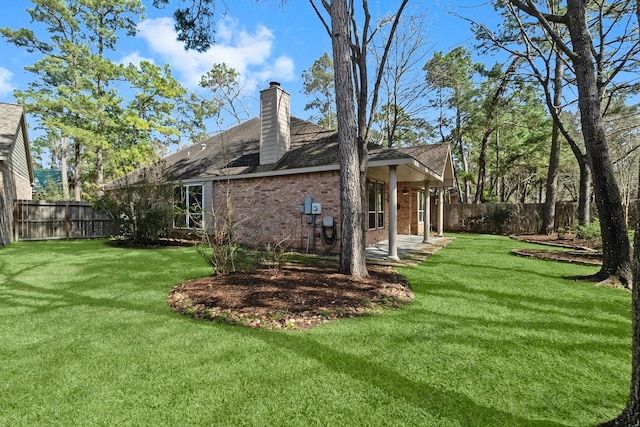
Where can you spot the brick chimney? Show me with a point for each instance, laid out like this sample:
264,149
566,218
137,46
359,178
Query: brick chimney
274,124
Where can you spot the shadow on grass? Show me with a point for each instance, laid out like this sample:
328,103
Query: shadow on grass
117,275
579,309
438,402
41,300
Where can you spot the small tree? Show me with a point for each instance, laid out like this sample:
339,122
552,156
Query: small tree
143,210
218,246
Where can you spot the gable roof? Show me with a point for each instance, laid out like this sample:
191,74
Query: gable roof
235,153
10,121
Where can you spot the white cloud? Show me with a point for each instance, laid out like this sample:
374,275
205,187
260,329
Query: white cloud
5,81
134,58
247,52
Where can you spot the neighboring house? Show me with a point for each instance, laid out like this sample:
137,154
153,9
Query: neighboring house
16,172
281,177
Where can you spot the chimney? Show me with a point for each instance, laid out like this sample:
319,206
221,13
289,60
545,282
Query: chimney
274,124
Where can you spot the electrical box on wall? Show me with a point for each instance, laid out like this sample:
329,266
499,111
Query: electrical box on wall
316,208
308,202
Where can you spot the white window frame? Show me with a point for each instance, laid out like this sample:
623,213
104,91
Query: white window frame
193,213
421,196
377,213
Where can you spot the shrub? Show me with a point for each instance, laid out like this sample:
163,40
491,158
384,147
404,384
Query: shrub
276,254
218,246
590,231
143,210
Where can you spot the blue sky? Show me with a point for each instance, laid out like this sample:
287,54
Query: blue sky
264,41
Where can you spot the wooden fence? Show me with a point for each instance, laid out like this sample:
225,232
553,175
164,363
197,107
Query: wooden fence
44,220
506,218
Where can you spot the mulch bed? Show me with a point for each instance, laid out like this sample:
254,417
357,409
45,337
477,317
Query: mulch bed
581,251
297,297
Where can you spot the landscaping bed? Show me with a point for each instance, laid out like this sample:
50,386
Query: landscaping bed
573,249
295,297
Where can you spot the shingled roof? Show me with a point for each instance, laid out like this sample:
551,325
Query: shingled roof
235,153
10,121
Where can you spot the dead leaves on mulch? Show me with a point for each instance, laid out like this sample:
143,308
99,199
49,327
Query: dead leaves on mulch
297,297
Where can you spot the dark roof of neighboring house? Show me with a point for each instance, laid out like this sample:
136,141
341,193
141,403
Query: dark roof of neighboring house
236,152
10,117
42,177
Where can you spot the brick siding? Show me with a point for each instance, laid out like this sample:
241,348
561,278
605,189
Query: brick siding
267,210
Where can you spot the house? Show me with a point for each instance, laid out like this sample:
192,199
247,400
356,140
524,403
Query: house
281,177
16,171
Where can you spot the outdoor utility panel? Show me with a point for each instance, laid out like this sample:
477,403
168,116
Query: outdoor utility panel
308,201
316,208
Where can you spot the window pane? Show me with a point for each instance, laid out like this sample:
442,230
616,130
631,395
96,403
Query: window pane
179,220
372,220
195,198
380,202
380,219
195,221
372,196
188,206
179,195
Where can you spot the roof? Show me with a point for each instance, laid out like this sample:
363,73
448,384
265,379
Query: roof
42,178
235,153
10,120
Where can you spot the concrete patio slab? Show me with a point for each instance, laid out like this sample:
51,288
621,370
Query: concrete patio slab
412,250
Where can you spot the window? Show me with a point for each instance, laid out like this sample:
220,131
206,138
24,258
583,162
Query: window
420,206
188,206
376,204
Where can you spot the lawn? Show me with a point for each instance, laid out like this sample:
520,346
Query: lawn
87,338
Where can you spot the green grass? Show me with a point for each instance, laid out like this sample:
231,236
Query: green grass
86,338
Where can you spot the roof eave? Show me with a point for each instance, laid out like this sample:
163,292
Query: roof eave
410,162
282,172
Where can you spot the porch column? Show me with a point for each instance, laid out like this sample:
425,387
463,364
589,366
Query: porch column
393,213
426,208
440,211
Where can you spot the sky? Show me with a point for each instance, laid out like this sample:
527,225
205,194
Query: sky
264,41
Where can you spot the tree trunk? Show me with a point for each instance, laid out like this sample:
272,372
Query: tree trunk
482,167
616,262
99,171
584,199
491,114
64,146
466,196
548,226
352,256
77,190
549,222
630,416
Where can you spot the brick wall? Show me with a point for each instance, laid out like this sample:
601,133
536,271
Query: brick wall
23,188
268,209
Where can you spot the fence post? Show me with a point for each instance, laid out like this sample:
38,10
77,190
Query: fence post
67,222
15,228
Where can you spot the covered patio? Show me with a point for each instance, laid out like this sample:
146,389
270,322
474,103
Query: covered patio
408,170
410,249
